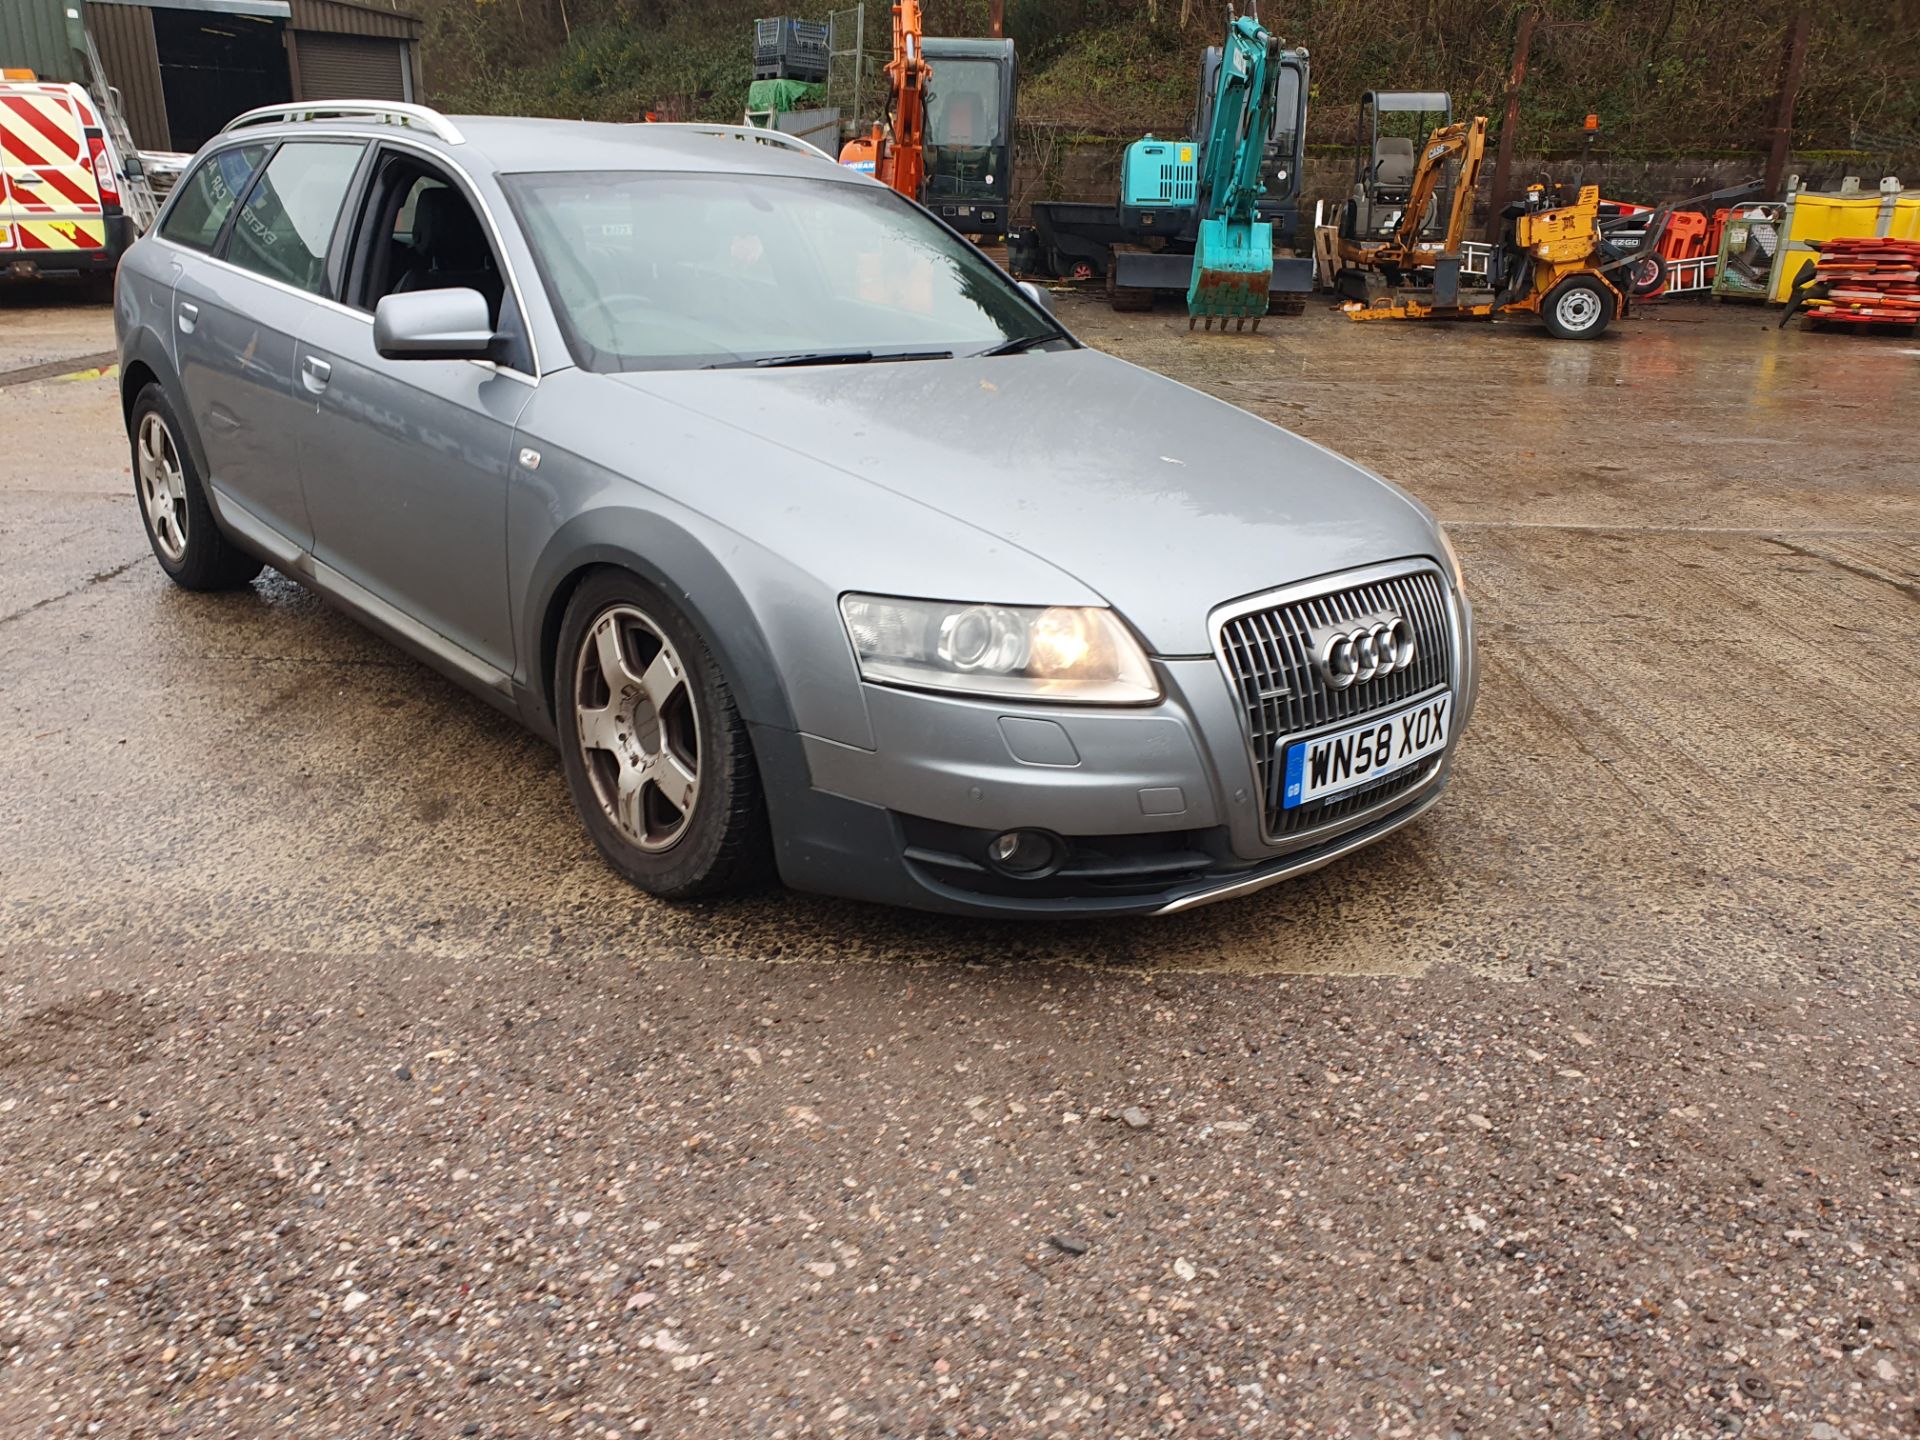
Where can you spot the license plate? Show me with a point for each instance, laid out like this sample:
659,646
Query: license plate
1333,763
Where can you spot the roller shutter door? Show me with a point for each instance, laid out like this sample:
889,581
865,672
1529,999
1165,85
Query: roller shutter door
351,67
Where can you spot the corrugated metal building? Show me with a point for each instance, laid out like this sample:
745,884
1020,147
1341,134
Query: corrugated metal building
185,67
41,36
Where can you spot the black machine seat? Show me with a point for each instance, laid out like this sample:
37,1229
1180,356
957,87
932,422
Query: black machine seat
450,250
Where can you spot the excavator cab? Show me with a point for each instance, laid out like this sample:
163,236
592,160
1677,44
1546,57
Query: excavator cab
1393,126
969,133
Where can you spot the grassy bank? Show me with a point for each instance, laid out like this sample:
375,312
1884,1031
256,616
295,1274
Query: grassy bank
1674,75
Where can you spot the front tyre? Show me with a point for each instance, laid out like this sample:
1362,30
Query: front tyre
173,503
656,755
1578,308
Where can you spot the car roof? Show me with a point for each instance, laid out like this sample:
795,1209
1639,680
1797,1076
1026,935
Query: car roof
516,144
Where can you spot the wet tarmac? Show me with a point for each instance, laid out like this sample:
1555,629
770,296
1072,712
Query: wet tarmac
343,1092
1692,549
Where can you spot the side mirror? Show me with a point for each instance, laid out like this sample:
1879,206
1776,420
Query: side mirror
1037,295
433,325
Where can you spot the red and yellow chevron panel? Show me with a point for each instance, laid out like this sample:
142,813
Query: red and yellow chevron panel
46,163
33,235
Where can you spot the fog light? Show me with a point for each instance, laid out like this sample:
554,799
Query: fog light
1027,853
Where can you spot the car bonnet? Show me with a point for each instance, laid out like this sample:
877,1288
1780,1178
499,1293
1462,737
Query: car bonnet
1159,498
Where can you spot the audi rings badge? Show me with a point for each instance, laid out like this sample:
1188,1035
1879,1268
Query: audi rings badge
1369,650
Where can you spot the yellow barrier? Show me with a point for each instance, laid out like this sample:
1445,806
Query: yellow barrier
1814,217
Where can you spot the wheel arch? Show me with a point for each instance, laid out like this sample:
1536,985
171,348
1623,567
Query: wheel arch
134,377
684,569
144,362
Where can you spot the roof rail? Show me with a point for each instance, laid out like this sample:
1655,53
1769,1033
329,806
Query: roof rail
380,112
754,133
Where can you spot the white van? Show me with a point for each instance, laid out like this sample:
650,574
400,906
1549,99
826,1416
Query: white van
60,206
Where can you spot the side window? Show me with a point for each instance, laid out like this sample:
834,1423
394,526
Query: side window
287,220
420,232
208,194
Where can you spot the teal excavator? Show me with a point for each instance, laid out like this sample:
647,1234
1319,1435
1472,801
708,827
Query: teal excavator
1198,216
1233,257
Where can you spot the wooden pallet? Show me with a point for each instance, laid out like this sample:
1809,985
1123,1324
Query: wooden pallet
1326,254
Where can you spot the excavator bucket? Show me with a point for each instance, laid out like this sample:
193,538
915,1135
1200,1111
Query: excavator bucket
1232,273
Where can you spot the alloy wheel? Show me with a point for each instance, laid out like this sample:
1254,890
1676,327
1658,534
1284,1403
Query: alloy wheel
638,727
163,487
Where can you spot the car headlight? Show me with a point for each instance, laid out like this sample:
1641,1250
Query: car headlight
1453,560
1074,654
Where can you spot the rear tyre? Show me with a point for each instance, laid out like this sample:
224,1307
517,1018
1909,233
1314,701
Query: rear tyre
657,758
1578,308
1645,276
173,503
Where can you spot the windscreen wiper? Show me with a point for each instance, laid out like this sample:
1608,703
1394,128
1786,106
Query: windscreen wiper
1020,344
829,357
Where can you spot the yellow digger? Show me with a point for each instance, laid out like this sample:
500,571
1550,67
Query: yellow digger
1548,261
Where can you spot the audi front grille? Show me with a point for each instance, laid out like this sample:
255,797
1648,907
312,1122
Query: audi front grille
1263,646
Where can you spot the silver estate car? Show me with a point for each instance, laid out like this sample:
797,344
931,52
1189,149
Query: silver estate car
811,539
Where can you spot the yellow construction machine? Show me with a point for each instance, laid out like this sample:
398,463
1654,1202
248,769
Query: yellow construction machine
1387,228
1547,262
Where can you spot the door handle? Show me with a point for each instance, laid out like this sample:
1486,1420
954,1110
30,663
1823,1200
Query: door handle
189,316
314,374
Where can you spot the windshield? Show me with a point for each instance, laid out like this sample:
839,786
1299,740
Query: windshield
655,270
963,106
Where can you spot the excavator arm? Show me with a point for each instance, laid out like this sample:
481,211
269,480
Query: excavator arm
1242,119
899,158
905,163
1466,141
1233,261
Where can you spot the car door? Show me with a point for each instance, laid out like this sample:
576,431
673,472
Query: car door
405,463
236,316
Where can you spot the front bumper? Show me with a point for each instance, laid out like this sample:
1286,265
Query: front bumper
1156,808
831,845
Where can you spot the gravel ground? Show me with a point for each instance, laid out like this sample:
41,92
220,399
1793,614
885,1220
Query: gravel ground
365,1199
345,1094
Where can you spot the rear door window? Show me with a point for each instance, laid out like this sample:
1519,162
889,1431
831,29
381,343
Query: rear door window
208,194
287,220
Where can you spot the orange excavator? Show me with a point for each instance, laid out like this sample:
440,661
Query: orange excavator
899,159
